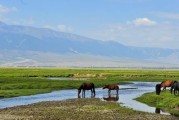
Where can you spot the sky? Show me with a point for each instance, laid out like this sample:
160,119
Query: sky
142,23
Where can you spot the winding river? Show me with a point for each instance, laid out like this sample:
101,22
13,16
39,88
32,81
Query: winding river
127,93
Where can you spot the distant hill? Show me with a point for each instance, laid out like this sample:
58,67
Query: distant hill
19,41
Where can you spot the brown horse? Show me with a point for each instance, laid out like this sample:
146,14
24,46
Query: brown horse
111,87
164,84
111,98
167,83
86,86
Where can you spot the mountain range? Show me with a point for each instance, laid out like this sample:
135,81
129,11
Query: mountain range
31,46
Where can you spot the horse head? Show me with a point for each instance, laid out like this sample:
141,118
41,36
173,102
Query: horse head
158,89
106,86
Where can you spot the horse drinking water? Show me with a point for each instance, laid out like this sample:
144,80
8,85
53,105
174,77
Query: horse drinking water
164,84
111,87
86,86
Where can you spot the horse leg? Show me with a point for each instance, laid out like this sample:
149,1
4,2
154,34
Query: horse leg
94,91
109,91
83,95
171,90
174,92
164,88
117,91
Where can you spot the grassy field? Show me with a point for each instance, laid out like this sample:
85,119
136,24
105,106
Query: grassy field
77,109
165,101
28,81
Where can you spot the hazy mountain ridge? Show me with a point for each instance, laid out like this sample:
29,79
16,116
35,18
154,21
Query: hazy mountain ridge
22,39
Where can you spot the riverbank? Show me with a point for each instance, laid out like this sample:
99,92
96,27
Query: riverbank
165,101
78,109
29,81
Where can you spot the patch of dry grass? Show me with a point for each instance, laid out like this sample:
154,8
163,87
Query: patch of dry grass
78,109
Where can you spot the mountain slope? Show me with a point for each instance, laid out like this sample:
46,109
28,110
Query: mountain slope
41,40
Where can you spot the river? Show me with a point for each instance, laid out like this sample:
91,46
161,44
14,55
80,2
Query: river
127,93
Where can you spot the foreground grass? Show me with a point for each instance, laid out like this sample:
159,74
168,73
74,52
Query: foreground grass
27,81
165,101
78,109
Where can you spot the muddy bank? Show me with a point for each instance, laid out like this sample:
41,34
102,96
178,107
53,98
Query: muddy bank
78,109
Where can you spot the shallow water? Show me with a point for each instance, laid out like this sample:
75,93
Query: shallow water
126,95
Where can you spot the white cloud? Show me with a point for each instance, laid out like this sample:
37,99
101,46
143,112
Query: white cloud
143,22
61,28
4,9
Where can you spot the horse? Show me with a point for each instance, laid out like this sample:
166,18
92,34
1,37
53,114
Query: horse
175,87
164,84
86,86
111,87
111,98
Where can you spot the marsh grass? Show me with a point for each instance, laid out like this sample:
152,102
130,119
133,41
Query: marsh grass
26,81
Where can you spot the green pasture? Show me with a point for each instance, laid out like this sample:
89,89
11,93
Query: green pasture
28,81
165,101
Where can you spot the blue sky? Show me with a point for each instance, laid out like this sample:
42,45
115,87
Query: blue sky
148,23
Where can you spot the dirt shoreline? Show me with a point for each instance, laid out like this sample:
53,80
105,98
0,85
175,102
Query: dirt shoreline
77,109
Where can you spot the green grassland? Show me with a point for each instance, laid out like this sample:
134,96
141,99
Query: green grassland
28,81
165,101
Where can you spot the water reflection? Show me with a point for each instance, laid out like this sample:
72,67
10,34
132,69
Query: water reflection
157,110
111,97
84,96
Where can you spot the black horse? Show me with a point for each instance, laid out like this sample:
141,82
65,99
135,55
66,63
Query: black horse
86,86
175,87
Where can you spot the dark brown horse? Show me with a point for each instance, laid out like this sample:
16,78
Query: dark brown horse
86,86
164,84
111,87
111,98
